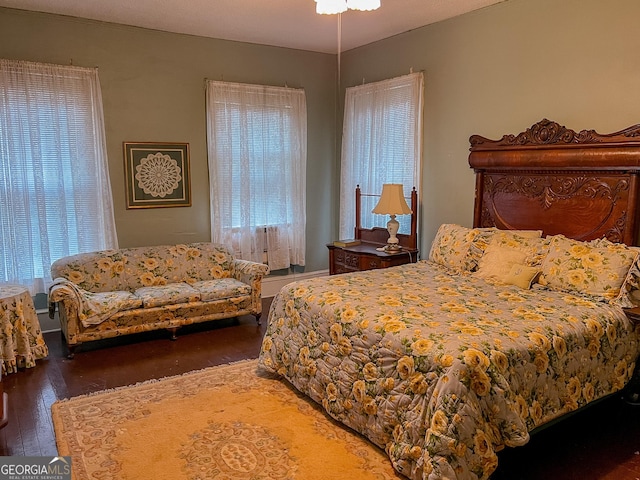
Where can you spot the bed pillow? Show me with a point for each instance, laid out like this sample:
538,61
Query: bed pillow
481,242
506,250
478,246
460,248
629,296
523,233
522,276
451,245
596,269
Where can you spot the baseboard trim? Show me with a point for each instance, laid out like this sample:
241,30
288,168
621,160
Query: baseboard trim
272,285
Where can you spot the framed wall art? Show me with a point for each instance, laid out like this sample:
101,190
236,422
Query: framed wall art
157,174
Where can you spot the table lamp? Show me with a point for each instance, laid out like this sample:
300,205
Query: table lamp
392,203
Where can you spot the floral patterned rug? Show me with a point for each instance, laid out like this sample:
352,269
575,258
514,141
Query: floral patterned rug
232,422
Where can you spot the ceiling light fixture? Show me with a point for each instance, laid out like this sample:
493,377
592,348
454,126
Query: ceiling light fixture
365,5
332,7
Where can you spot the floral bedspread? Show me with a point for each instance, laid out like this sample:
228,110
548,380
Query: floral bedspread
443,370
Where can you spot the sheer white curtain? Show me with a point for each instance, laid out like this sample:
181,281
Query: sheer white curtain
381,143
257,150
55,194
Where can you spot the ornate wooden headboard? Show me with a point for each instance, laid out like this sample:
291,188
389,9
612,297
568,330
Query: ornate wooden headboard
584,185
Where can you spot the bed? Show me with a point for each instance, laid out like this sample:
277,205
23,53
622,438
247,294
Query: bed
509,325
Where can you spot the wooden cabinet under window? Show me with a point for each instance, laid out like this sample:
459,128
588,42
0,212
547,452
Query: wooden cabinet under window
366,255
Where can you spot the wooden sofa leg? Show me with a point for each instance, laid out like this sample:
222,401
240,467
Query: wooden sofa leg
70,348
71,351
258,317
173,331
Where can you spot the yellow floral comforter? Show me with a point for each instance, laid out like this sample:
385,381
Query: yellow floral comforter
443,370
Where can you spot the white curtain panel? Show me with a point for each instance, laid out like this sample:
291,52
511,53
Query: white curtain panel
381,143
257,151
55,193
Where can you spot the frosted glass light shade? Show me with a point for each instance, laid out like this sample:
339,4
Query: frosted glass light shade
363,4
331,7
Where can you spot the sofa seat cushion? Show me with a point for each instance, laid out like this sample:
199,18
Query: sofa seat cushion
221,288
160,295
123,300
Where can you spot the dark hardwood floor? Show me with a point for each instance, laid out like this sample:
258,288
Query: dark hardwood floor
602,442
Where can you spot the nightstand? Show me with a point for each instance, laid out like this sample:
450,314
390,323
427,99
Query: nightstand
366,257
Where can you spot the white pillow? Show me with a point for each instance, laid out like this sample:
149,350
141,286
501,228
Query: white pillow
498,260
522,276
506,250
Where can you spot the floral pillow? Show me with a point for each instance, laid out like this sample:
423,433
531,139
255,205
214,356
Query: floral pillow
478,246
451,246
629,296
598,269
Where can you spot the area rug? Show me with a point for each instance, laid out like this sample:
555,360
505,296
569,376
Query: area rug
232,422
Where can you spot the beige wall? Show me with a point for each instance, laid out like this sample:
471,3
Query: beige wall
153,90
500,70
494,71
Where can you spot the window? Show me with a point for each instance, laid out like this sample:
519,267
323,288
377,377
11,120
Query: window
55,195
257,149
382,143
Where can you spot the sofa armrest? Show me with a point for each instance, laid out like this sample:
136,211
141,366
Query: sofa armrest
66,300
80,305
251,273
61,292
247,268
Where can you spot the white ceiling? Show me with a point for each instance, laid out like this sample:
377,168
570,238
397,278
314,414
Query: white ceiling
284,23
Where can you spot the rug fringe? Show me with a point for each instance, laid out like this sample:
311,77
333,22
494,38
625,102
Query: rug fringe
154,380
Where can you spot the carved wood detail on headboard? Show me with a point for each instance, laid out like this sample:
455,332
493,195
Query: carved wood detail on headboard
584,185
547,132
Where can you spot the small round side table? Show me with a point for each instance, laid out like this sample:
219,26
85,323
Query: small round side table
21,340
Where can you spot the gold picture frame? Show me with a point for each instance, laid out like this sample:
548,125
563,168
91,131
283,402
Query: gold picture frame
157,174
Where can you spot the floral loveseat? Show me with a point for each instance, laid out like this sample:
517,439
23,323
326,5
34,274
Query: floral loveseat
116,292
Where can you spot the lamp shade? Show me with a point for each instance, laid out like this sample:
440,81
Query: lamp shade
392,201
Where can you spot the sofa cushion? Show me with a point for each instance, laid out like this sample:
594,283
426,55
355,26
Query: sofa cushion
124,300
170,294
221,288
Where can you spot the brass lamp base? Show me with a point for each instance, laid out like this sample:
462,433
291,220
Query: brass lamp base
392,247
